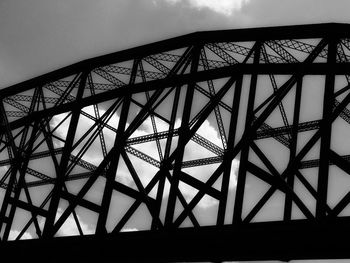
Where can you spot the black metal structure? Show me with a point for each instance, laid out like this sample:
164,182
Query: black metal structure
250,125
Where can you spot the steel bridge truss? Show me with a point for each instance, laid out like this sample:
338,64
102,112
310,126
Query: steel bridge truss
248,124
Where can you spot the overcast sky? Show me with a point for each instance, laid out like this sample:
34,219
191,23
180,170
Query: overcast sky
38,36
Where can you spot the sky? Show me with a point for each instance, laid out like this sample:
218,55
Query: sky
38,36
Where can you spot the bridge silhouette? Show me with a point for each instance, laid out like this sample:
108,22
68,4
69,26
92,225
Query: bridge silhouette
212,146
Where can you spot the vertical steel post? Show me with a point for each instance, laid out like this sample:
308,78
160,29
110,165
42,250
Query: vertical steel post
227,161
48,231
183,131
293,147
242,173
112,169
326,129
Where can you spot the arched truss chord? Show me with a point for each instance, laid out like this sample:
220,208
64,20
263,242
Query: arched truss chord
239,123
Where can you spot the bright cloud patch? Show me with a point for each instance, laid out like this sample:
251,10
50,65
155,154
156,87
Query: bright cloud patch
145,171
14,233
226,7
69,228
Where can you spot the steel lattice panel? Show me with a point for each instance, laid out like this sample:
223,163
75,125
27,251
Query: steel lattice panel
212,128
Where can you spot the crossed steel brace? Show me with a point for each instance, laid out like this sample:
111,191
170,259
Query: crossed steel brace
81,136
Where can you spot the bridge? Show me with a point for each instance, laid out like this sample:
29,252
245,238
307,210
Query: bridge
212,146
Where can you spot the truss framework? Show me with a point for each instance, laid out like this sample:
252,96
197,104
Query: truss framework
125,126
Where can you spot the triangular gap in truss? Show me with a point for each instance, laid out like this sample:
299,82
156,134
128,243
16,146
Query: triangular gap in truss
144,167
282,114
218,183
179,209
70,225
16,139
95,192
140,74
23,197
176,55
119,71
164,203
227,99
304,194
42,167
59,125
101,84
165,105
154,68
301,48
4,157
83,127
340,139
199,100
297,213
93,154
254,190
3,171
146,126
311,176
14,109
38,193
303,139
206,211
89,84
345,44
237,50
345,212
75,87
272,210
340,83
276,152
186,223
338,185
202,172
99,81
61,91
119,205
75,182
271,56
254,159
280,117
141,97
231,196
214,57
43,142
242,109
197,149
99,108
140,220
21,218
87,220
151,125
213,128
311,107
149,148
22,101
123,175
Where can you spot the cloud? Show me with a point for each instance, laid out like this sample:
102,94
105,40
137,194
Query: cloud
39,36
225,7
133,229
146,171
14,233
69,228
